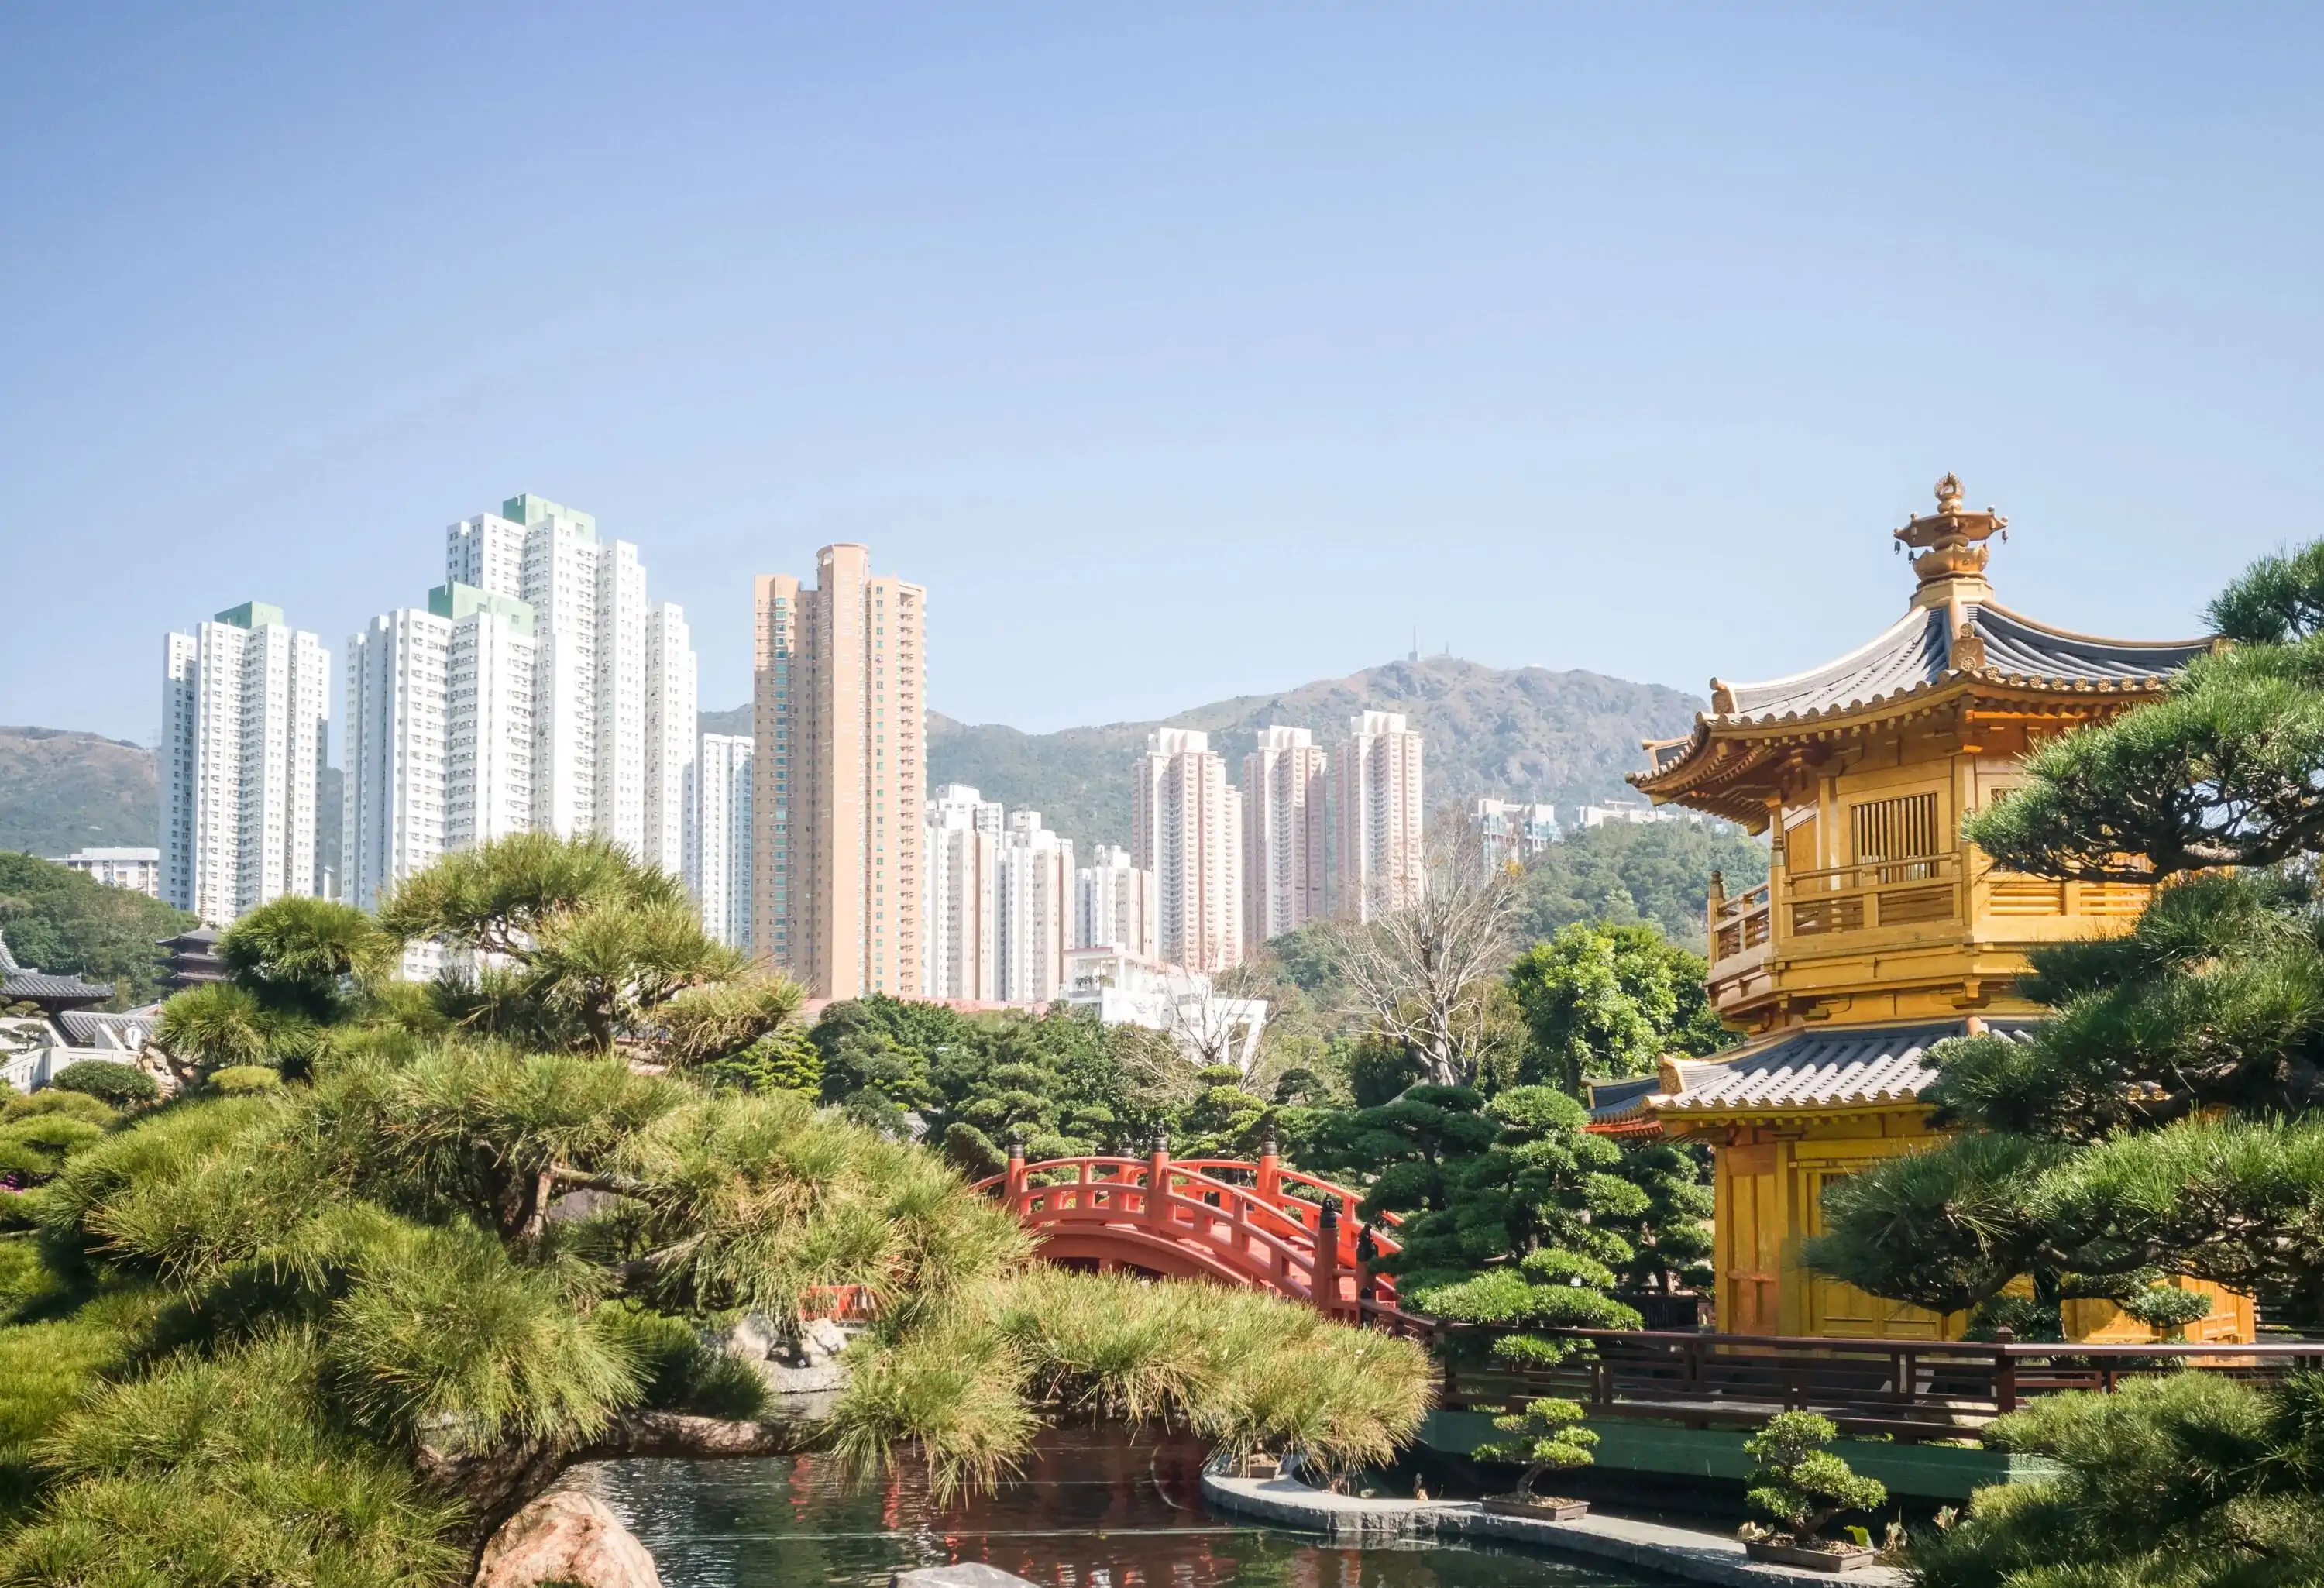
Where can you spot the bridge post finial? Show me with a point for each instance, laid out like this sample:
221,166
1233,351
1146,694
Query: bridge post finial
1157,1179
1016,1179
1326,1276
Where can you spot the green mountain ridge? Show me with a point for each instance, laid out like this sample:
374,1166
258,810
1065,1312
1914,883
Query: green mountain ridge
1516,732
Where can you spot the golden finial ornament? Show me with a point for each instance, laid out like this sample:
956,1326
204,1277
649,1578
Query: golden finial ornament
1949,544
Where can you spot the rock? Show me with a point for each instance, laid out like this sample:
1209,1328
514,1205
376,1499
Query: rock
565,1537
820,1340
968,1573
754,1336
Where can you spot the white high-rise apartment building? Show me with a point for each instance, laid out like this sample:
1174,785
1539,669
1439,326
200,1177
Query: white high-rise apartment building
594,769
1285,813
1378,818
960,910
1113,904
1187,828
394,780
527,696
245,707
672,725
1036,910
843,773
718,837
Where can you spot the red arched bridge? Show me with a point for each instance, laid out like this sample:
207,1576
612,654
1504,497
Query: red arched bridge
1239,1222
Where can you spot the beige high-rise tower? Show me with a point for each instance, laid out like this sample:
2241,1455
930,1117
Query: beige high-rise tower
1283,833
1378,818
1185,821
838,777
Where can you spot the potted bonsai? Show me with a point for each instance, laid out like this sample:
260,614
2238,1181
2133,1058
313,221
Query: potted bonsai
1545,1436
1801,1485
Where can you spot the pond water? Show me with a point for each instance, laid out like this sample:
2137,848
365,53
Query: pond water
1093,1510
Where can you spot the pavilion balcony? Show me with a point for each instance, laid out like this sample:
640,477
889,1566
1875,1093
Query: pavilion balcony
1953,897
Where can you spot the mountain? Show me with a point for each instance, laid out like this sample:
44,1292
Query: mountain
62,790
1520,733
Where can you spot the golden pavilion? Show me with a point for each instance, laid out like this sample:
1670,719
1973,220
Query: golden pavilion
1880,931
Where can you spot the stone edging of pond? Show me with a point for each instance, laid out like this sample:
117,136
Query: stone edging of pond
1671,1552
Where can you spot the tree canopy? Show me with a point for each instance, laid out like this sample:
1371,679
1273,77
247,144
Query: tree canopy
55,917
333,1330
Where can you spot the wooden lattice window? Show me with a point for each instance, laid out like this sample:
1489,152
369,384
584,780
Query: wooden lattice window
1902,828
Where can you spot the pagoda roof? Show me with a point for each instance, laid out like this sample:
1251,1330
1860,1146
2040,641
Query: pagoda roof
53,992
1921,653
1823,1069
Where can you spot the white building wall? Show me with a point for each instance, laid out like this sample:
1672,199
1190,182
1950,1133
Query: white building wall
1187,828
1036,874
619,784
1377,816
672,726
488,730
1113,904
393,764
244,709
960,910
718,837
1285,809
560,582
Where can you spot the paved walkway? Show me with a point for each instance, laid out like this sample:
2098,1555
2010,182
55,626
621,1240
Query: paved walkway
1673,1552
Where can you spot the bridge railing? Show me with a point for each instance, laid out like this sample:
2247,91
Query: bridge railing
1262,1232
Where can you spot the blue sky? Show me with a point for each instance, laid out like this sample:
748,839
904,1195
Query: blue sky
1181,350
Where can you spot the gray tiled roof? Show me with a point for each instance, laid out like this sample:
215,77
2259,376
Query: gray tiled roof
1825,1069
1918,650
90,1028
35,986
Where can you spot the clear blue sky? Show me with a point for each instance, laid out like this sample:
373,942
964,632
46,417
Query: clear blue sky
1180,350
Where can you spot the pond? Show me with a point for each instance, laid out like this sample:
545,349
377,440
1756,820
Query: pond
1093,1510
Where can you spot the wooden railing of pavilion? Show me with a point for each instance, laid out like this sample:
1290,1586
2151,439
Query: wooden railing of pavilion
1908,1389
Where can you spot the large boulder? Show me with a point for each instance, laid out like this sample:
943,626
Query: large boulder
565,1537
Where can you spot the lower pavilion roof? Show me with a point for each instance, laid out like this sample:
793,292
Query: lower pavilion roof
1851,1067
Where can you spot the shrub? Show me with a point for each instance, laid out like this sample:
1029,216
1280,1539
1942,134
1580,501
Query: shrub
245,1077
1800,1484
123,1085
2167,1310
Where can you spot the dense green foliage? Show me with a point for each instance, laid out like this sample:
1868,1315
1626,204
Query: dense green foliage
108,1080
1621,872
1603,1000
57,919
2165,1124
326,1330
1798,1483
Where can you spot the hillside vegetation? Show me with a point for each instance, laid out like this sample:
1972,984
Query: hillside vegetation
62,790
1519,732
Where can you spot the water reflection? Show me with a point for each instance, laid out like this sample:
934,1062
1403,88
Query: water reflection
1093,1511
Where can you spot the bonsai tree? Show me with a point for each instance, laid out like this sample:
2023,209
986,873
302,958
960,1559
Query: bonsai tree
1800,1484
2167,1310
1545,1436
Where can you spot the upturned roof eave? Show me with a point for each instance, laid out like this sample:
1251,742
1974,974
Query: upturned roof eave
1672,783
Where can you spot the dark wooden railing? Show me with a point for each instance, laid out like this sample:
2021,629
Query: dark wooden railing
1911,1389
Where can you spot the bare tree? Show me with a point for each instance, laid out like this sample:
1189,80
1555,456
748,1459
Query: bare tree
1422,974
1218,1019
